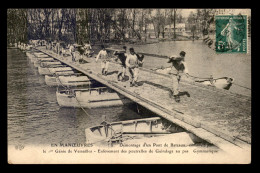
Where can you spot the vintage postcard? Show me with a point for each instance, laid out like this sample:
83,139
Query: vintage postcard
129,86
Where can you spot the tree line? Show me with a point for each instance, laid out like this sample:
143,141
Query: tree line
17,25
93,24
122,23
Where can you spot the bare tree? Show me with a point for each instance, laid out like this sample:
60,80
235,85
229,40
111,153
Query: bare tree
174,23
17,25
82,25
47,13
207,18
143,22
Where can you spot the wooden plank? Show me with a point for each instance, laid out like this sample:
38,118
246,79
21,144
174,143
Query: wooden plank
116,50
155,55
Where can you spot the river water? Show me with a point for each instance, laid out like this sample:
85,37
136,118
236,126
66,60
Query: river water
34,116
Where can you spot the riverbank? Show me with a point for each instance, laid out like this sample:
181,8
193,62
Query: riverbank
143,41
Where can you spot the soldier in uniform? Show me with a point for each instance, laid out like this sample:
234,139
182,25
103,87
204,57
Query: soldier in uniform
178,68
132,65
122,57
104,60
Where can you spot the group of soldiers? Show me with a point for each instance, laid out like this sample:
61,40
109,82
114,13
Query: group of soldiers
23,45
130,62
62,49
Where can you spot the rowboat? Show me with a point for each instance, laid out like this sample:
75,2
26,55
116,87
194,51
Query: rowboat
137,131
45,59
38,61
62,73
71,80
45,70
221,83
32,52
38,54
52,70
59,69
35,58
49,63
51,80
90,98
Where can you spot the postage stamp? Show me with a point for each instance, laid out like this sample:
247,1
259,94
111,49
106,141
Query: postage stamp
231,34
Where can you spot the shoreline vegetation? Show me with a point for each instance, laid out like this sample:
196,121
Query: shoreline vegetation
208,40
120,26
144,42
112,26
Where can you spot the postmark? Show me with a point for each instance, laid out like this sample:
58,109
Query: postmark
231,33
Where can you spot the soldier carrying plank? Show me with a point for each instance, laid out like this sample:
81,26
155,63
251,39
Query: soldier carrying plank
178,67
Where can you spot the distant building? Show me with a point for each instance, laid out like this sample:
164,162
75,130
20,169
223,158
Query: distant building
179,27
169,30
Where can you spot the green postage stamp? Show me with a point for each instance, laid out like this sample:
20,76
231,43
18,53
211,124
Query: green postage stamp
231,34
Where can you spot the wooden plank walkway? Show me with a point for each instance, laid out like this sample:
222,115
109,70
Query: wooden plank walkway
218,116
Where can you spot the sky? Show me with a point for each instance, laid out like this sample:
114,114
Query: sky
185,12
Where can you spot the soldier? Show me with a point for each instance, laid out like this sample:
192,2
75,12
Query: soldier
72,52
133,67
58,47
178,68
88,50
122,57
104,60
